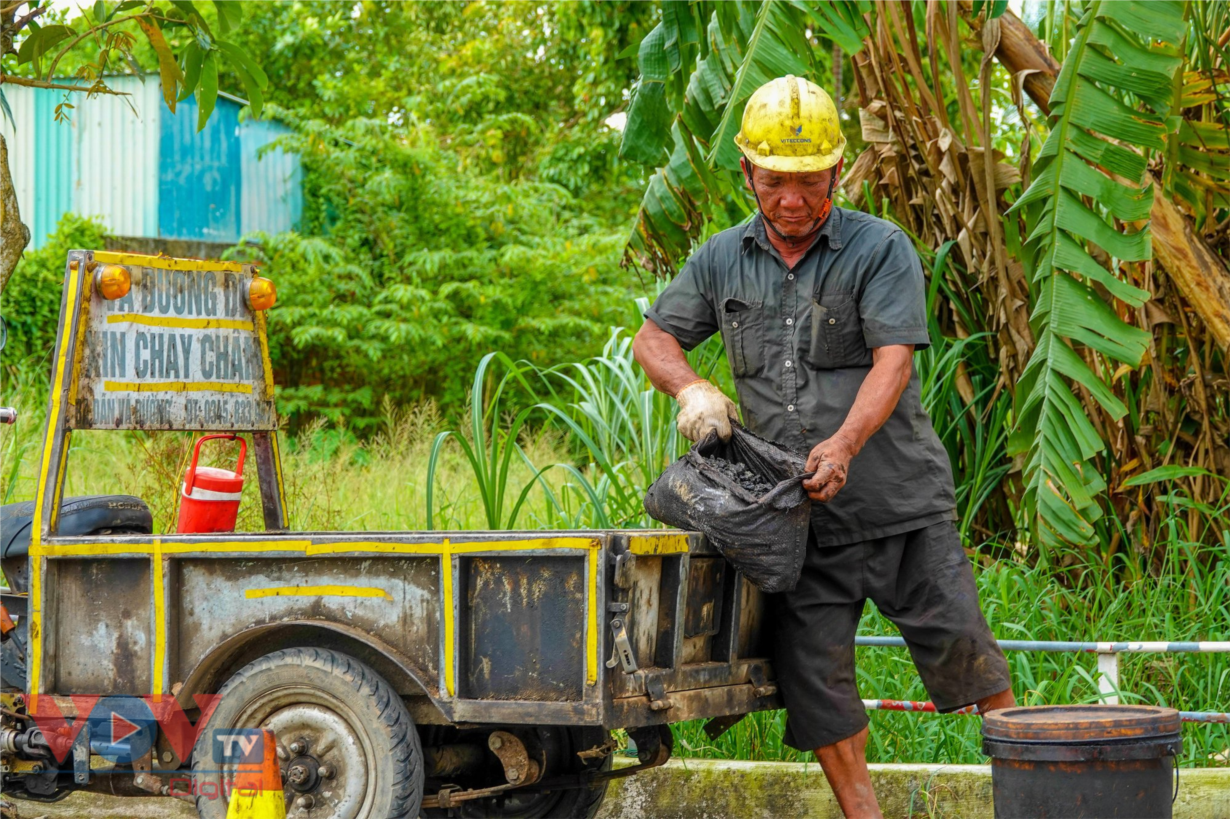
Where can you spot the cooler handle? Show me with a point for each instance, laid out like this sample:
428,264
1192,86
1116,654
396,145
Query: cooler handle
196,453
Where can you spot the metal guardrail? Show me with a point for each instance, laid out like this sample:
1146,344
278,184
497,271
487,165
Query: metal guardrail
1108,668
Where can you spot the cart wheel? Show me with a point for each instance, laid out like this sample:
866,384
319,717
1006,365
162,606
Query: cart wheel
346,744
558,747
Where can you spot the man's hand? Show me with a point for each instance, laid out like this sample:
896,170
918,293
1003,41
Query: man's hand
703,407
831,461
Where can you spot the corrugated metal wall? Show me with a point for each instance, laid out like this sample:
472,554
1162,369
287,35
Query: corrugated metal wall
42,176
53,179
272,180
115,176
148,173
21,150
199,176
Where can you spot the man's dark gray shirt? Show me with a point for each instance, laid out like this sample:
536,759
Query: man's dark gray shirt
799,344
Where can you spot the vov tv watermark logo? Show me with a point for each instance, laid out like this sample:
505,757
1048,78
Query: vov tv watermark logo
238,746
124,730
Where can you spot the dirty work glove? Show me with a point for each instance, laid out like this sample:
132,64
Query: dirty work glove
703,407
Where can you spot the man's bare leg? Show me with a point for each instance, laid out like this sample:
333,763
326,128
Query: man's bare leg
1003,699
845,767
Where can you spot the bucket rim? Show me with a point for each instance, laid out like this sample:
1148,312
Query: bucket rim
1092,724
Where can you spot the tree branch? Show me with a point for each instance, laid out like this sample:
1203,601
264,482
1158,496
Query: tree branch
14,236
24,21
8,8
10,26
93,30
9,79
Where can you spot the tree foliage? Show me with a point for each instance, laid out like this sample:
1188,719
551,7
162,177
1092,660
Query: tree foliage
407,271
465,198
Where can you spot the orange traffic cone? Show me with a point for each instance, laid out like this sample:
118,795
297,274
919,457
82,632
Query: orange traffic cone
257,790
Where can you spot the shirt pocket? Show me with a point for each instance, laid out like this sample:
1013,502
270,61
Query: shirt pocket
837,333
743,335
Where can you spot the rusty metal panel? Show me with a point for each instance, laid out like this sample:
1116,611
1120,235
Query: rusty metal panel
644,606
703,611
394,600
751,641
524,627
644,601
696,649
631,712
670,612
102,627
182,350
704,608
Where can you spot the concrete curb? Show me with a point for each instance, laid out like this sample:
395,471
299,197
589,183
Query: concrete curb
714,789
709,789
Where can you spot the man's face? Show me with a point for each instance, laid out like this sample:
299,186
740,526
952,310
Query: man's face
791,201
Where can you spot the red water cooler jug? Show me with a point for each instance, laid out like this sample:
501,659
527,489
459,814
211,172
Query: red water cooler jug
210,501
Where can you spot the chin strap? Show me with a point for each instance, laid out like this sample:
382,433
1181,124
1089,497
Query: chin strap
819,220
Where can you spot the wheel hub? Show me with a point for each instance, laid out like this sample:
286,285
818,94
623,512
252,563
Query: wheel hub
303,773
325,768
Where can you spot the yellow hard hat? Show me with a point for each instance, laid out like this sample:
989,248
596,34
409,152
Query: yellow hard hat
790,125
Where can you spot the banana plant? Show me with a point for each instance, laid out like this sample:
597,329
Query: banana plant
745,44
1109,111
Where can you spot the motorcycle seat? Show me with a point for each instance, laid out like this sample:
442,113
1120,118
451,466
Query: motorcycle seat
78,516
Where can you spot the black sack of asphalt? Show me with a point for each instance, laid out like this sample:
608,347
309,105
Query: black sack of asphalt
746,495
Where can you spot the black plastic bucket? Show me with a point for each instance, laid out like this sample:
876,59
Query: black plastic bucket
1083,761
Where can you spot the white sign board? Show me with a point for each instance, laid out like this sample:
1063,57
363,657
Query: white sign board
182,350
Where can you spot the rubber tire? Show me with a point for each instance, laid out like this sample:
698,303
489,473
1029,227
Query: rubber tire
382,715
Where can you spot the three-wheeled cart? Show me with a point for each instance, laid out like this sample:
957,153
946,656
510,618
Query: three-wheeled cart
453,673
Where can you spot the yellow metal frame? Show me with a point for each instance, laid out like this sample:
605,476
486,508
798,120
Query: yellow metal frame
45,547
160,547
165,262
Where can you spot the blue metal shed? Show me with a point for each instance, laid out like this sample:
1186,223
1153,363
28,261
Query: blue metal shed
148,173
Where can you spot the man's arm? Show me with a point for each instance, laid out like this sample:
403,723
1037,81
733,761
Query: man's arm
702,406
662,359
876,400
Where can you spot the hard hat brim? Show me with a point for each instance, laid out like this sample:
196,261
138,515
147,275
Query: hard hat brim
795,164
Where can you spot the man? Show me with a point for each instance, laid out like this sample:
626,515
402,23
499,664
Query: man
821,309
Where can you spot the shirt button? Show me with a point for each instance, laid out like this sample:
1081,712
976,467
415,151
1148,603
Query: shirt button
734,324
789,322
787,363
832,321
790,408
790,276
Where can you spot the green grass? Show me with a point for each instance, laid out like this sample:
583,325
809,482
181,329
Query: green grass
334,481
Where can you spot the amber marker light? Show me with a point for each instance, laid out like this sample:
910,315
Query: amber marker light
113,281
261,293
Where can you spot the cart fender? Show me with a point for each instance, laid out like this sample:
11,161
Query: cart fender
224,659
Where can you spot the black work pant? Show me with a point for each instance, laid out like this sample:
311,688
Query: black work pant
923,582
